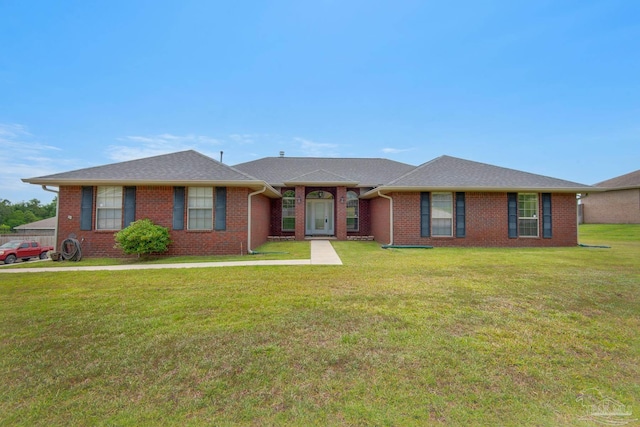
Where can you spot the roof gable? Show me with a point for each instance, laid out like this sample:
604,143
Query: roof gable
181,168
361,172
629,180
448,172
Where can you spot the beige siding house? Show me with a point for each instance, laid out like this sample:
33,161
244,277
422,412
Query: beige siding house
618,202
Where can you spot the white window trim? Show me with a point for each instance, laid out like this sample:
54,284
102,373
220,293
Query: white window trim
289,199
434,217
102,208
357,210
535,216
190,208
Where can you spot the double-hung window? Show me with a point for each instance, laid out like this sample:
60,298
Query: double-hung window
289,211
441,214
528,215
353,208
200,208
109,208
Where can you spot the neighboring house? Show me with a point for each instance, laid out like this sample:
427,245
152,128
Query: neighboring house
618,202
44,227
212,208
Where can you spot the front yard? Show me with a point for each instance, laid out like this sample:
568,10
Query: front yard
392,337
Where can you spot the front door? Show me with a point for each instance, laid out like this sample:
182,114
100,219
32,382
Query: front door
319,219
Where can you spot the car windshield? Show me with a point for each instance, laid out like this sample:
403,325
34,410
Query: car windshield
10,245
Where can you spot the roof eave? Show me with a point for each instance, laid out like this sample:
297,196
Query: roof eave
322,183
624,187
253,185
404,189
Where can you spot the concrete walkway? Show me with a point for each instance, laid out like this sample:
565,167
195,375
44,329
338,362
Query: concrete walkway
322,253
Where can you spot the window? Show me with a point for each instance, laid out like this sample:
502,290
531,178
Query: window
353,211
442,214
109,208
528,215
289,211
200,208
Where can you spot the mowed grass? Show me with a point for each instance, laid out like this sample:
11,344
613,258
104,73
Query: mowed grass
392,337
268,251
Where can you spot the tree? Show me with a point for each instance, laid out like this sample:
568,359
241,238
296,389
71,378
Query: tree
13,215
143,237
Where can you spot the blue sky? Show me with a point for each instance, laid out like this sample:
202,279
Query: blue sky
549,87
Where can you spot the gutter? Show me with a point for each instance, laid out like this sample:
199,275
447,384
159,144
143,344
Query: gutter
55,235
390,216
249,251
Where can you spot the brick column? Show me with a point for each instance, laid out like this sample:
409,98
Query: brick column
300,211
341,213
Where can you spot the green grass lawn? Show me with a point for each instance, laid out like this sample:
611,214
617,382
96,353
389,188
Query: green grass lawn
268,251
392,337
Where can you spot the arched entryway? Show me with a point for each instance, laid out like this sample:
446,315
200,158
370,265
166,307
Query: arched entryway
319,214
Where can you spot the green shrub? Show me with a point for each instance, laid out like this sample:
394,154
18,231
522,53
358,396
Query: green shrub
143,237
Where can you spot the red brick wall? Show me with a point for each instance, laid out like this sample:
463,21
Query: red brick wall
156,203
486,222
379,209
612,207
260,220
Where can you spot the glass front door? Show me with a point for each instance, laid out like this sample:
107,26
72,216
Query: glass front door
319,219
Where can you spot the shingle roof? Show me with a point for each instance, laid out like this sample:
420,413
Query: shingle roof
629,180
365,172
447,172
43,224
192,168
181,168
318,177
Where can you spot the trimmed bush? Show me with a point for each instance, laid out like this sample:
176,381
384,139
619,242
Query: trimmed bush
143,237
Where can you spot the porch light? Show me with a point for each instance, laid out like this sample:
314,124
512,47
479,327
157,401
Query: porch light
341,199
299,200
320,194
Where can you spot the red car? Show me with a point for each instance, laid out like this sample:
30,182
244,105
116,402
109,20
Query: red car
23,249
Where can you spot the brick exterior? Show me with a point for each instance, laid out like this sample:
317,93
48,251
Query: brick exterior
612,207
486,222
156,203
340,213
380,217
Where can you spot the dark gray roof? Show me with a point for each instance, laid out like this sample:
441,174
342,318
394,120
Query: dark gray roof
452,173
192,168
318,177
629,180
181,168
278,171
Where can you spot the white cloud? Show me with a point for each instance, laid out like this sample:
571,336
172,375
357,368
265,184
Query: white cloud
26,158
243,139
390,150
146,146
317,149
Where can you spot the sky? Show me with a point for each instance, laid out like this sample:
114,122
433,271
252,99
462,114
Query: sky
548,87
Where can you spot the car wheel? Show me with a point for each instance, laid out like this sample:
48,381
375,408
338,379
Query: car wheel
44,255
10,259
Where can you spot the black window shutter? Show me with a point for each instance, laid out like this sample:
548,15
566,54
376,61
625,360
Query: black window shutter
129,205
221,208
425,215
546,216
460,216
178,208
86,208
512,199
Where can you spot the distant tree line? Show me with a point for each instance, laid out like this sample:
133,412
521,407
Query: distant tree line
15,214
